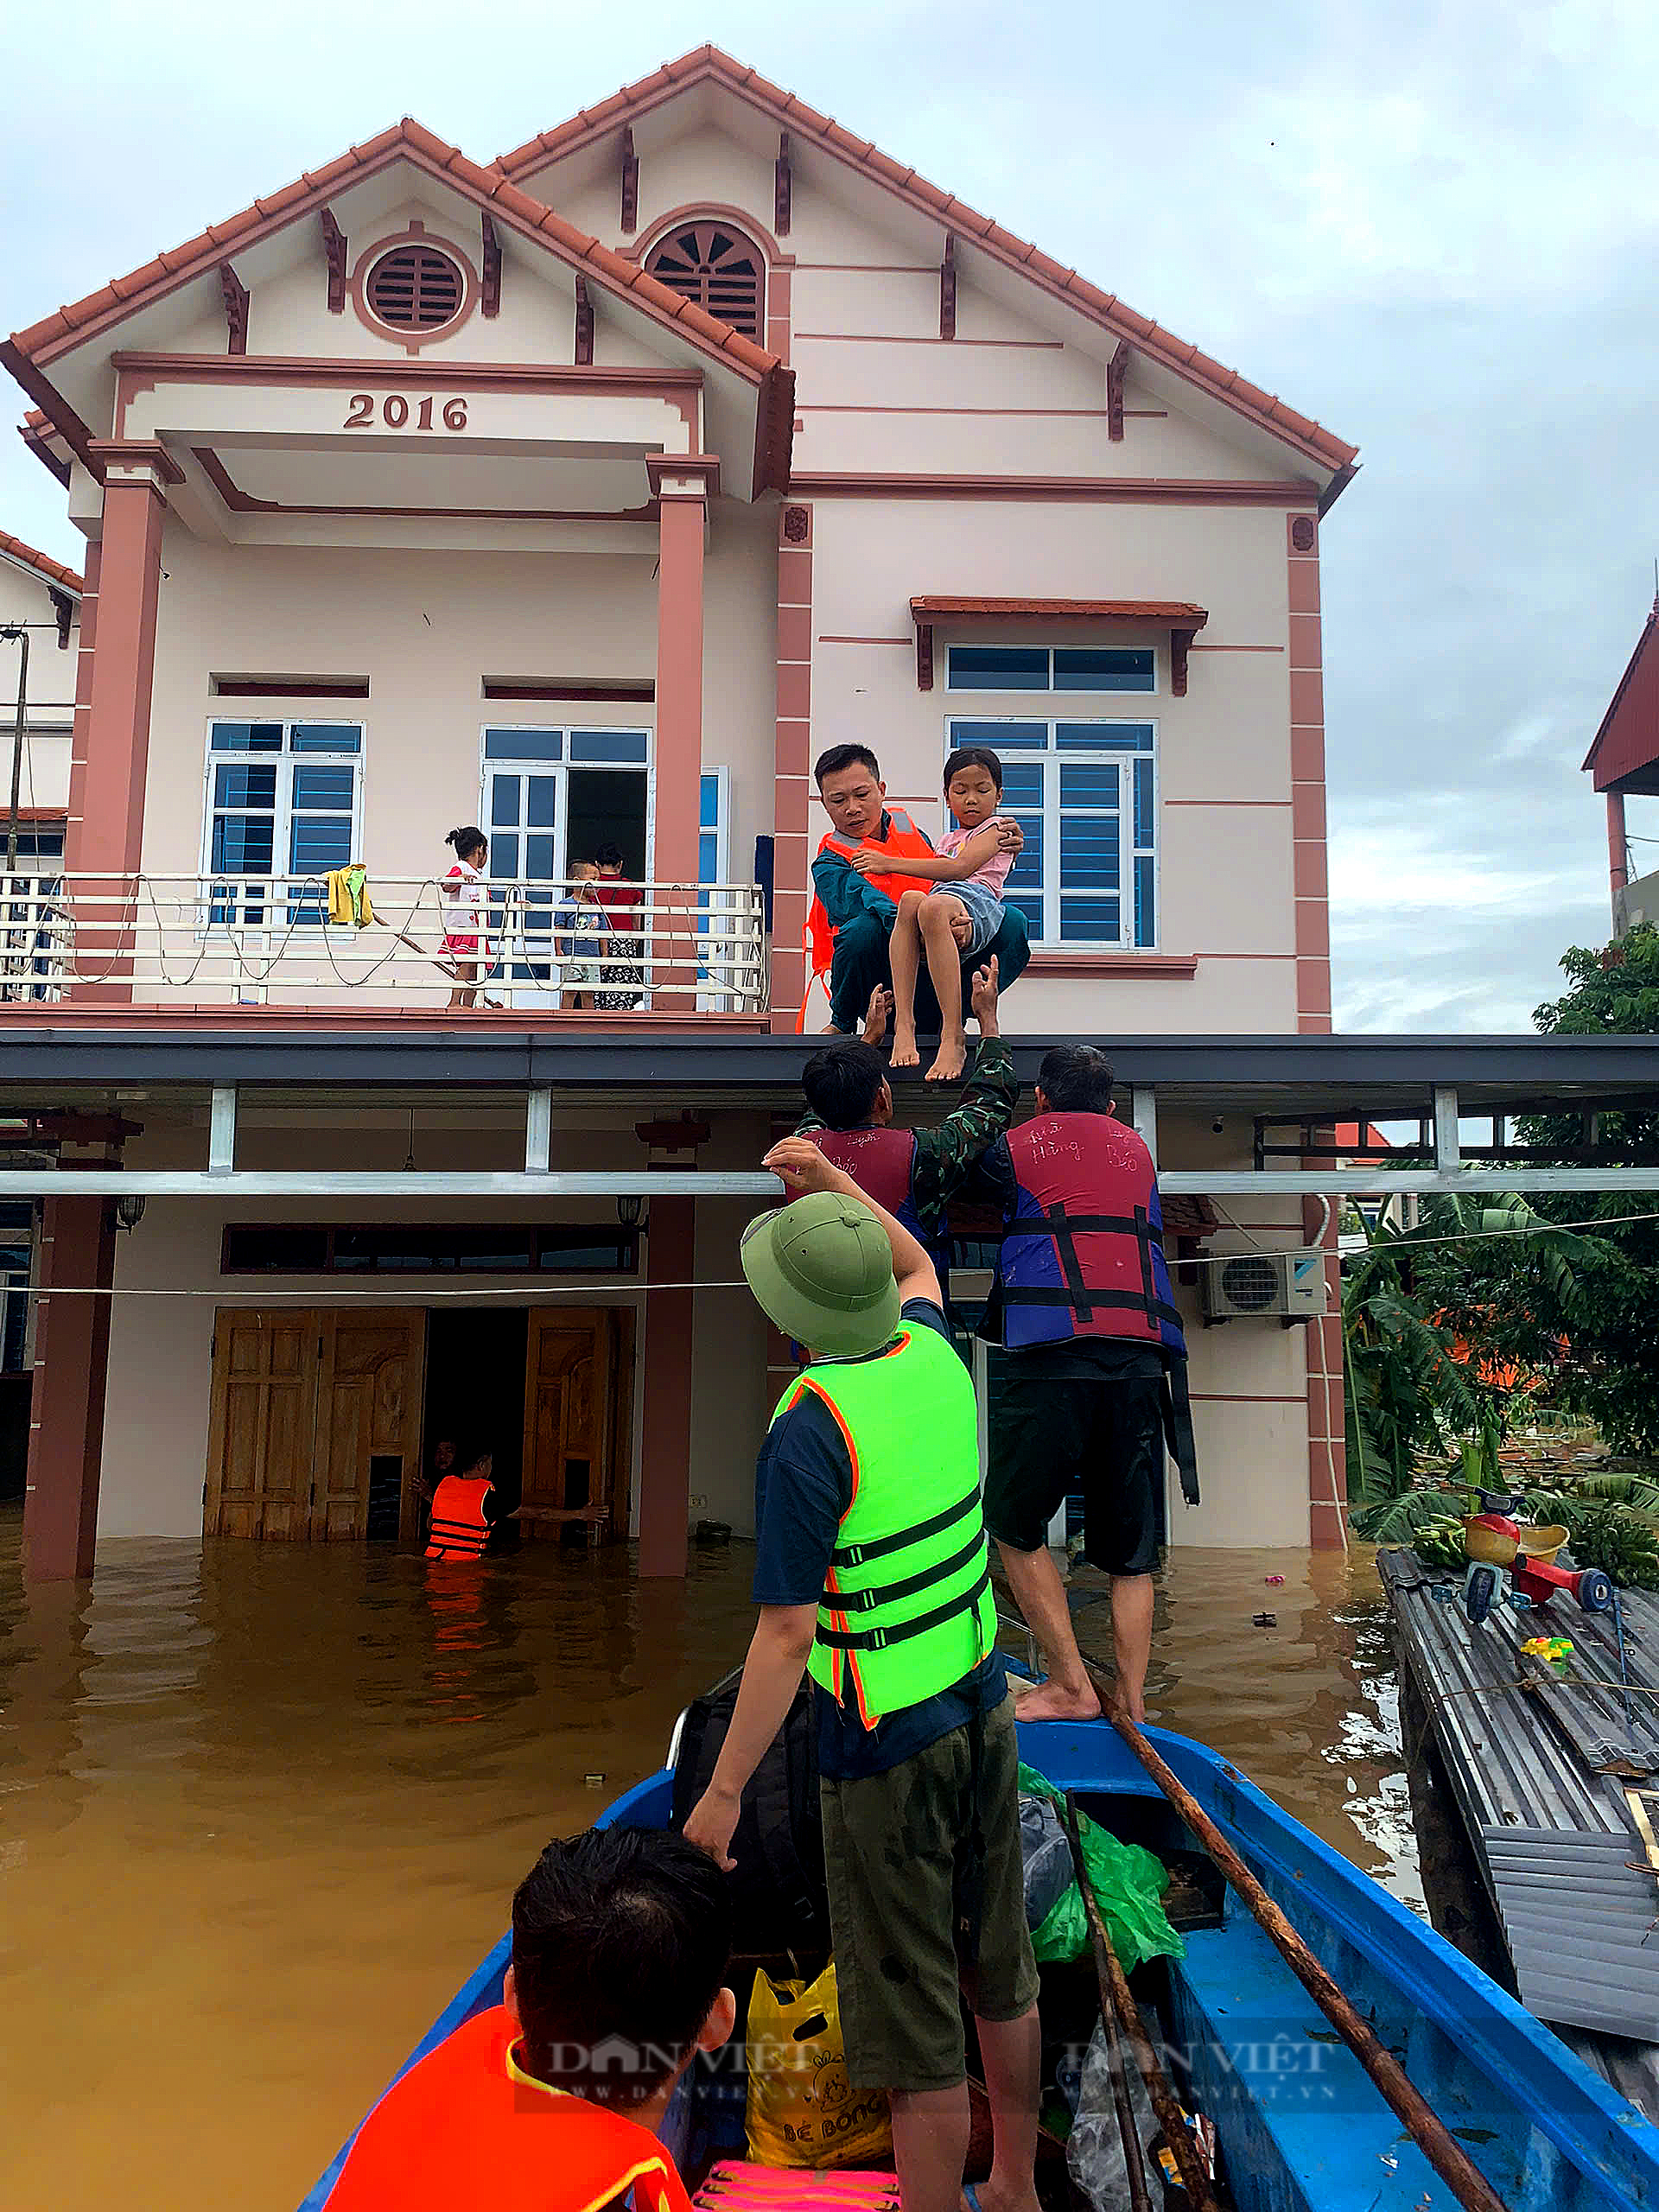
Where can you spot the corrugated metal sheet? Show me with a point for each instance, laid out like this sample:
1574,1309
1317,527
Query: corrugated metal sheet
1540,1774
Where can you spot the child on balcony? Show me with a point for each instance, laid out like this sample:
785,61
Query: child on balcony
581,927
971,867
463,942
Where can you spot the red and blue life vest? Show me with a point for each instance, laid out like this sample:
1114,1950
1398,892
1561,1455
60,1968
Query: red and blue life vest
1084,1254
882,1161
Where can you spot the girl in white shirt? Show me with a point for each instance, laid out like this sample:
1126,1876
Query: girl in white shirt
464,944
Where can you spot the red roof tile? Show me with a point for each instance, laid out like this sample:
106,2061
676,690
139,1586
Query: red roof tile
42,564
1627,744
709,63
409,140
1179,614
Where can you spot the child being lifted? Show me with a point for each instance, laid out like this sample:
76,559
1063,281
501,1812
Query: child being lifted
971,867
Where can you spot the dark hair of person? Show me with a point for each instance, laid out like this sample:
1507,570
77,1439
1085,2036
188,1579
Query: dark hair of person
842,1083
621,1942
1076,1079
608,856
975,756
469,840
843,756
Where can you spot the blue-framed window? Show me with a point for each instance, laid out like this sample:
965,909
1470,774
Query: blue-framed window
1085,793
284,804
1045,668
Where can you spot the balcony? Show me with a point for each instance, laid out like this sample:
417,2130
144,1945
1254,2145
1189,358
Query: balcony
211,942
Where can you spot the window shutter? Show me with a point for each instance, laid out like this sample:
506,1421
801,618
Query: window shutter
717,267
414,288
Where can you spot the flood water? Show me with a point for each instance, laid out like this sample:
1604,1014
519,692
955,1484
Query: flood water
263,1807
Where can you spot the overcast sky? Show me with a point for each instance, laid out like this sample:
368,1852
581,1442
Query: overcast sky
1434,228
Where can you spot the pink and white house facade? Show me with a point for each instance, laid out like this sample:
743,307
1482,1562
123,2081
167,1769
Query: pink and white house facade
588,495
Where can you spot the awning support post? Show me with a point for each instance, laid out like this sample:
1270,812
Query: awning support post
221,1130
1448,1155
538,1129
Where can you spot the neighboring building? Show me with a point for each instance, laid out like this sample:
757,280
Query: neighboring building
41,597
587,496
1624,759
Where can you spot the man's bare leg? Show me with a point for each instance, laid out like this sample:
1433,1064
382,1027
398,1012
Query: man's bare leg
945,966
930,2147
1068,1693
1011,2052
1131,1597
906,957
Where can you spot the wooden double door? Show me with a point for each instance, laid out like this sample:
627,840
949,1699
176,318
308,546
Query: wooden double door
314,1425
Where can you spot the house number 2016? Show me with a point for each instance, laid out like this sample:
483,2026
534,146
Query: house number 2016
394,412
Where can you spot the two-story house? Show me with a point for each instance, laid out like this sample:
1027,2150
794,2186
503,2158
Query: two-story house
585,497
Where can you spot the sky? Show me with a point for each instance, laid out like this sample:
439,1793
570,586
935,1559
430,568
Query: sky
1434,228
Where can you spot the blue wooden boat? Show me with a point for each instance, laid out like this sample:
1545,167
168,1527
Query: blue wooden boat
1299,2125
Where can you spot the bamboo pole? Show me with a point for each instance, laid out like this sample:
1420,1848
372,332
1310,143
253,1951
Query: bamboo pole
1430,2133
1119,2010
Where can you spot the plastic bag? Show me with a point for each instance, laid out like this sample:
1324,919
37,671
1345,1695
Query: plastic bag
803,2111
1128,1884
1094,2150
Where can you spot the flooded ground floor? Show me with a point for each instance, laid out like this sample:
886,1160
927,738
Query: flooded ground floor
262,1806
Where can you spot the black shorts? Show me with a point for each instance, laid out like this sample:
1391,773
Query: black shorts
1103,1438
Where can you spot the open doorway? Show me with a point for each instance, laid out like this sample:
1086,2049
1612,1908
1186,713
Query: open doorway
608,807
475,1390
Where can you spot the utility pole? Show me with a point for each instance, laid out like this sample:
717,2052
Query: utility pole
21,635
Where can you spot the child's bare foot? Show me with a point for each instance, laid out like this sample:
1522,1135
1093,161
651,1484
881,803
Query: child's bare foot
905,1054
953,1057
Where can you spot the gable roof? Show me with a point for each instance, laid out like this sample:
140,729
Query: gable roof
48,570
28,352
706,64
1628,741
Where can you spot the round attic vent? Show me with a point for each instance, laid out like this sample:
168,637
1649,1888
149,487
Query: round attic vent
713,264
414,288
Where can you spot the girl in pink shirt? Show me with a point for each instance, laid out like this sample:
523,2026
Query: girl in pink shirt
972,866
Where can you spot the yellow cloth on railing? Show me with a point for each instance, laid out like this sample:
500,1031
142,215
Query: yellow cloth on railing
349,896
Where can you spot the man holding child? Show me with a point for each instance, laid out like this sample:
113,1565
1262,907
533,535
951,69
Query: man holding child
869,859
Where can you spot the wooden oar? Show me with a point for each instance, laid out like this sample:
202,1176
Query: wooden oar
1119,2010
1430,2133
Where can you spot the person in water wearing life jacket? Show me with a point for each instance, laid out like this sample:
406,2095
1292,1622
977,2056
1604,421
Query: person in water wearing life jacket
850,926
465,1506
548,2101
914,1173
872,1573
1090,1387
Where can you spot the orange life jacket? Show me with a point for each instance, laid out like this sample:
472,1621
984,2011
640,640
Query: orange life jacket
467,2126
459,1529
903,838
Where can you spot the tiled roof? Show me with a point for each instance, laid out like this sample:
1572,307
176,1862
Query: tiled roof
1628,741
1180,612
409,140
707,63
53,572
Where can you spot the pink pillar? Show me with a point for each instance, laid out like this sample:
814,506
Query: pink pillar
71,1353
791,864
682,486
110,751
665,1440
1618,865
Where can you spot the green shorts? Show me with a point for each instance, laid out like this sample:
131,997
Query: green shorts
898,1853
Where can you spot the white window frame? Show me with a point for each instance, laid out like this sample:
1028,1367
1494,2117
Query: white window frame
561,769
714,1001
281,877
1051,761
1048,691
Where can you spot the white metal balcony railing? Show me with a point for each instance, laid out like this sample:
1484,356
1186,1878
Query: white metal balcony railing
261,940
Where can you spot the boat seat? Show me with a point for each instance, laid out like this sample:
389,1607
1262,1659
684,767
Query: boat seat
1306,2109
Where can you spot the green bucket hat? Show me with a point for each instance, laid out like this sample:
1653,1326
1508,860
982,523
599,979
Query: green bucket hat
822,1270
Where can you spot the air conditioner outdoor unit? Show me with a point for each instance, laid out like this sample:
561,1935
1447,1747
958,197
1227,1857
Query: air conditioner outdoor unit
1264,1285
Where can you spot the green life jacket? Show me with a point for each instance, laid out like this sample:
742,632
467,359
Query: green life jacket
907,1608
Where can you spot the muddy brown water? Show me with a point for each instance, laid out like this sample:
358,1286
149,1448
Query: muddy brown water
263,1807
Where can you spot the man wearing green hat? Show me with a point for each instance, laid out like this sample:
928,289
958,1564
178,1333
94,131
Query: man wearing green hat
872,1573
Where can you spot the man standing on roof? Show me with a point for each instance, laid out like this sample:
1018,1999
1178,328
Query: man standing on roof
914,1173
849,928
1091,1385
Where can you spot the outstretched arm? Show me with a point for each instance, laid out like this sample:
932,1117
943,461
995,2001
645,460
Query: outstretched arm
803,1167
